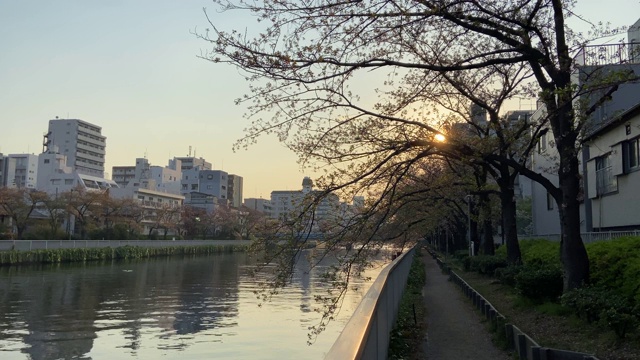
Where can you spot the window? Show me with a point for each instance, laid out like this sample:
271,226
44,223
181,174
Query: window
209,186
185,187
550,201
140,197
46,161
542,144
631,155
194,186
605,181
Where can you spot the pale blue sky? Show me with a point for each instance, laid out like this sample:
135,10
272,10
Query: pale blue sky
130,66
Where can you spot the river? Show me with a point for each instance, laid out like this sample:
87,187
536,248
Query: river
202,307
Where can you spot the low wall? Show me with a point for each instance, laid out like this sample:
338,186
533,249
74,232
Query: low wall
522,344
366,335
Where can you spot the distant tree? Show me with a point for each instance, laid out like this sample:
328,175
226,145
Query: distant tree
55,209
19,204
86,206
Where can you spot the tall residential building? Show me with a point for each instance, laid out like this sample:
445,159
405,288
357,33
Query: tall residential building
81,142
19,170
234,190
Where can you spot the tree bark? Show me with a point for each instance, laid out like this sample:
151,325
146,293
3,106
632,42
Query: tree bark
573,254
487,247
507,200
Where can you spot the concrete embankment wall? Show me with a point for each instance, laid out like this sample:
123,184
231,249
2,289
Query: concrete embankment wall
366,335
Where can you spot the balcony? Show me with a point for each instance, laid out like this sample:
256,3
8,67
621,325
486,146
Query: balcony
608,54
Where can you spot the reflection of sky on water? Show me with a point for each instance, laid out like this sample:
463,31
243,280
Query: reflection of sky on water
201,307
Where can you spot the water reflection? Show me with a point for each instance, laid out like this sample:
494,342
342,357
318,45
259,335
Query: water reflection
200,307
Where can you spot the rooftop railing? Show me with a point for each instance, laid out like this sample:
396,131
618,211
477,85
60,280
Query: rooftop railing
622,53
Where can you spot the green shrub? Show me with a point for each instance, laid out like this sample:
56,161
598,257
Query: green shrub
487,264
539,283
540,252
461,254
615,264
507,275
597,304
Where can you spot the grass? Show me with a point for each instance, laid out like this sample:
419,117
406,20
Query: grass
409,330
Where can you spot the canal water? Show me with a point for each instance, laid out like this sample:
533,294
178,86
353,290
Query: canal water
202,307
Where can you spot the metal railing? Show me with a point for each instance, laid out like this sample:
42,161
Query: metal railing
596,55
27,245
587,237
366,335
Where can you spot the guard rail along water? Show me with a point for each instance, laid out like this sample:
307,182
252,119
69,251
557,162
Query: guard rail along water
522,344
27,245
366,335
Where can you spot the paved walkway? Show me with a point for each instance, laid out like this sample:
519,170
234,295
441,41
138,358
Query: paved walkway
454,329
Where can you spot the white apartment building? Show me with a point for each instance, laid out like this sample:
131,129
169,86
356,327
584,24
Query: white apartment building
151,200
165,179
55,177
191,162
19,170
285,202
81,142
261,205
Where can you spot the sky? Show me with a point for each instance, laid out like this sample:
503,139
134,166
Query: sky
131,67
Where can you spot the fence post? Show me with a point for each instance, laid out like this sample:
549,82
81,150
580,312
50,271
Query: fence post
522,347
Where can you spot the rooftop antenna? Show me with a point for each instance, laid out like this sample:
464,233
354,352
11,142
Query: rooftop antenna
189,151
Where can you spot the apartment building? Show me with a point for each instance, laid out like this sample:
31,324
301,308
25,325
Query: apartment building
81,142
191,162
164,178
234,190
55,176
261,205
19,170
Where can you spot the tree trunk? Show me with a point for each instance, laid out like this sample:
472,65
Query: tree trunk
507,200
487,228
573,254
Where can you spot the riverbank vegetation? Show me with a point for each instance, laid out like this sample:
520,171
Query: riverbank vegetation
602,318
103,254
410,327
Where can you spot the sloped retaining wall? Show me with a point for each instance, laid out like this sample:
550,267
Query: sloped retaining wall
524,346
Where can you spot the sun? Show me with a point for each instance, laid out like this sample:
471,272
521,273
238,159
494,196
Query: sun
440,138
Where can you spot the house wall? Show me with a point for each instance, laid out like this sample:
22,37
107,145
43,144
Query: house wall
618,209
